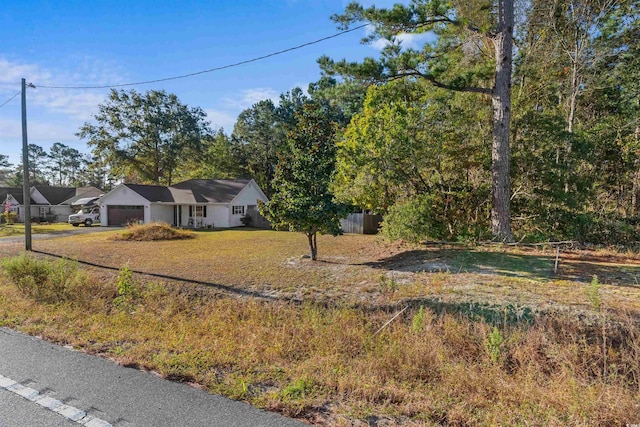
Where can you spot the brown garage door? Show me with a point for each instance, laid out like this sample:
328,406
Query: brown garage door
123,215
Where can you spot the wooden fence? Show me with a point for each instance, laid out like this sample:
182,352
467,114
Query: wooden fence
359,223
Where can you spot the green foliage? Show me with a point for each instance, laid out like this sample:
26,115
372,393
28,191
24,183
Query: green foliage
418,321
592,292
127,288
260,136
298,389
494,345
9,217
45,281
145,136
302,200
434,216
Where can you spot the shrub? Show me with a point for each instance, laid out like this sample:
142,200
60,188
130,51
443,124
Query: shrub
413,220
154,231
9,217
51,282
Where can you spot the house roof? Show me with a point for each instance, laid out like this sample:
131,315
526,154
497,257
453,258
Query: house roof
193,191
84,193
16,193
153,193
213,190
67,195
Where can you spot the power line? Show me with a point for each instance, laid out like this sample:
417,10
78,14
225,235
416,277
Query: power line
9,100
183,76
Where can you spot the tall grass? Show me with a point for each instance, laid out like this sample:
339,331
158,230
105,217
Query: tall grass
328,365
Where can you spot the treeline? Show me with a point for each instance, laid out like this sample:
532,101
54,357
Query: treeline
418,136
61,166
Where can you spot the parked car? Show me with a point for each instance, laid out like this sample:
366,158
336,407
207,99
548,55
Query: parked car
86,216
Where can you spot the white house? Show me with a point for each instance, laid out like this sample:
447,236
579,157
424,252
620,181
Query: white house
50,204
193,203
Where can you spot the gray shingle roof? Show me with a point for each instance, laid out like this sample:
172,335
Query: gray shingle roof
56,195
16,192
193,191
153,193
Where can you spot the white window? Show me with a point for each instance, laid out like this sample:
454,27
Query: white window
237,210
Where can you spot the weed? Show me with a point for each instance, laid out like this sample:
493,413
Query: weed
60,281
417,324
387,284
494,343
593,293
298,389
126,287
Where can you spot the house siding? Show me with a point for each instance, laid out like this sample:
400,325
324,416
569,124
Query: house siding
123,195
218,215
247,197
163,213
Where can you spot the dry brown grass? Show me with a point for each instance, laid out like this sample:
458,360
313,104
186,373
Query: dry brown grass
328,365
562,362
152,232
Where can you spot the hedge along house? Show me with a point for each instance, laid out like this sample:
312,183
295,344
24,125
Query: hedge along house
51,204
194,203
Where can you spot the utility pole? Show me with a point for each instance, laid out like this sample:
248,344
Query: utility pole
26,190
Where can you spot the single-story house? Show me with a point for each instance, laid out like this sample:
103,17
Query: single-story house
193,203
52,204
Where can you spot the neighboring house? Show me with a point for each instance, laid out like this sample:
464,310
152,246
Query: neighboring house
14,196
52,204
194,203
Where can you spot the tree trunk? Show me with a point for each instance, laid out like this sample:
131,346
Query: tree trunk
501,98
313,245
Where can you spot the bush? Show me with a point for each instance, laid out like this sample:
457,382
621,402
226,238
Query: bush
51,282
154,231
413,220
9,217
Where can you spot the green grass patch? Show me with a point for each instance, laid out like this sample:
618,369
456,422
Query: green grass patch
8,230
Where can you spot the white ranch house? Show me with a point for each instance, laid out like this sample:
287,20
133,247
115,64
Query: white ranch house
220,203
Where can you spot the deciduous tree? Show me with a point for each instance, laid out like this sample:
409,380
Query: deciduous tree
302,200
145,136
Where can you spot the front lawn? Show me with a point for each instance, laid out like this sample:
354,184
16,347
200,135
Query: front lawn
7,230
485,336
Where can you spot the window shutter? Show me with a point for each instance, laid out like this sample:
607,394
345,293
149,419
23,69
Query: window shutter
204,211
190,210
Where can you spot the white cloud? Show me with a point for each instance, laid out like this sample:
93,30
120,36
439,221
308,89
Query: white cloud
248,97
407,41
78,103
221,119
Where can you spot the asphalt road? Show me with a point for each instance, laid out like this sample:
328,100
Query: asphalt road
38,378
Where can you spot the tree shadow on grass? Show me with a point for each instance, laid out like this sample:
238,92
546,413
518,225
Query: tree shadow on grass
521,265
224,288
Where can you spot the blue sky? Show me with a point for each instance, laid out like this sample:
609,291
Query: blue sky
77,42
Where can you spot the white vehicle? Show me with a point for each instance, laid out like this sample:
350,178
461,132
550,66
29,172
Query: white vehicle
86,216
